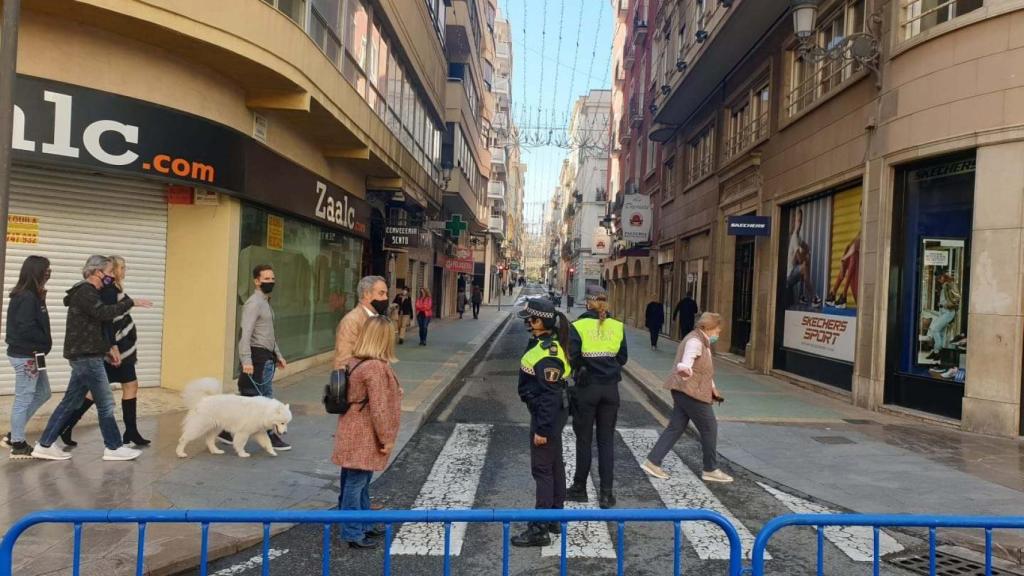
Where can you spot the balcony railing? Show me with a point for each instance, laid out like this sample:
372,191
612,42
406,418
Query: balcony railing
639,29
625,131
746,136
502,49
500,86
496,225
498,156
628,56
496,190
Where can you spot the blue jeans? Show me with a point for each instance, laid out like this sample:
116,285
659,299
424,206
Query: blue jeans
423,321
261,381
355,495
937,330
31,390
87,375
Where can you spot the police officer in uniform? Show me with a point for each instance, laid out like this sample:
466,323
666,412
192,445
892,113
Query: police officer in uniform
597,353
543,371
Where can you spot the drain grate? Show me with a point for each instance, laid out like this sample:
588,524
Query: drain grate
945,565
832,440
859,422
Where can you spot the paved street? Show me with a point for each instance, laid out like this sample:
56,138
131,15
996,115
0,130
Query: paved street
475,455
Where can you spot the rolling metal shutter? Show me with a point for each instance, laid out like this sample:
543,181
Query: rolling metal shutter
81,214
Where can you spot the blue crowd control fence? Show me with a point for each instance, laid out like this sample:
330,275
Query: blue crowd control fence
876,522
328,518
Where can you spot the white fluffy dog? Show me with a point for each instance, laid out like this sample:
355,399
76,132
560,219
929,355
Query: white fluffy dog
210,411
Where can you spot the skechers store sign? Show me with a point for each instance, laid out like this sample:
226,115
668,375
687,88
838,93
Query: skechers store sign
56,123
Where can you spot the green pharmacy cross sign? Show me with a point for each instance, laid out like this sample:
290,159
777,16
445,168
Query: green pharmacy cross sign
456,226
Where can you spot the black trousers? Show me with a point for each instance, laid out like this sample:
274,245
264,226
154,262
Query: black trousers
595,404
476,309
685,409
548,468
654,335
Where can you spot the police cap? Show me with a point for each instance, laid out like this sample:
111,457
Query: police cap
538,308
596,292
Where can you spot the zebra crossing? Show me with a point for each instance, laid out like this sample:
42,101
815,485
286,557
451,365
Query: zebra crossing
454,481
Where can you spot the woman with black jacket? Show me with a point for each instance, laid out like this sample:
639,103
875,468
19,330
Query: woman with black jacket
120,362
28,335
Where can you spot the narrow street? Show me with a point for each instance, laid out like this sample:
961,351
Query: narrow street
473,454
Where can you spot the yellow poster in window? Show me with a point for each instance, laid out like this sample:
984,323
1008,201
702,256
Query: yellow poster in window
22,229
845,254
275,232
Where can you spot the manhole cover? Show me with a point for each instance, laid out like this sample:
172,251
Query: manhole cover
832,440
945,565
859,422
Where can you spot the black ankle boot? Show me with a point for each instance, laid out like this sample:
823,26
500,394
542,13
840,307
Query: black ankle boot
577,492
65,434
535,535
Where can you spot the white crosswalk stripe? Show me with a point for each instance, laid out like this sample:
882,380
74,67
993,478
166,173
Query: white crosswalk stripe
585,539
857,542
452,484
685,490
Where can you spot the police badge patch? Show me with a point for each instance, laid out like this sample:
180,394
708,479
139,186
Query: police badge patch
552,374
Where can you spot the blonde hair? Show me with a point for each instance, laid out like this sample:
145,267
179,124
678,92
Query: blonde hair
118,270
424,293
709,321
376,341
599,305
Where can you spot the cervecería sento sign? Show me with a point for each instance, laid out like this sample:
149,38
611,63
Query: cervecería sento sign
57,123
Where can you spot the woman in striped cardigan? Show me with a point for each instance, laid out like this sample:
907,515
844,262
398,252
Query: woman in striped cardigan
120,363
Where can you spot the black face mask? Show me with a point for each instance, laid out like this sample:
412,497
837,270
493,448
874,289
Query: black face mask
267,287
379,306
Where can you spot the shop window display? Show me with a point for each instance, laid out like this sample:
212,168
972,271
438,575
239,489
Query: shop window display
317,271
819,264
942,339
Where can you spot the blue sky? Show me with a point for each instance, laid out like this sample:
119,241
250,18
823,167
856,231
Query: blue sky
550,74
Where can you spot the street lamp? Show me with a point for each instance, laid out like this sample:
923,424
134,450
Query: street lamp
862,48
446,173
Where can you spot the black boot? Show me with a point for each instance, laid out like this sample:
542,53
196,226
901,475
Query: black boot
577,492
131,430
535,535
607,499
65,434
554,528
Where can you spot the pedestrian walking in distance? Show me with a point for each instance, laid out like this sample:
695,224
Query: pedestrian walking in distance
477,300
258,350
86,347
404,316
424,312
367,432
120,363
654,319
543,371
597,353
460,303
28,343
692,383
373,301
686,313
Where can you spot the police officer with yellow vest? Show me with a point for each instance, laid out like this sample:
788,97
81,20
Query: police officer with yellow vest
597,353
543,371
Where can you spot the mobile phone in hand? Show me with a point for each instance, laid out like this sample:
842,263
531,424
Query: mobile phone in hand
40,362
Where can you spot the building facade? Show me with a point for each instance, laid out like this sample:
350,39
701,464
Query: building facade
308,135
847,215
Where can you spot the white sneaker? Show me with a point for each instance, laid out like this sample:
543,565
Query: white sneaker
121,454
654,470
716,476
51,453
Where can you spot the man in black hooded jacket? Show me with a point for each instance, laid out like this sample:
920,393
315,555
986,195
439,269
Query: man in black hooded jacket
86,346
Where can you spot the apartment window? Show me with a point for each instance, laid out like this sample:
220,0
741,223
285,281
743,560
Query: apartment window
747,123
702,155
325,28
651,154
437,11
810,82
294,9
922,15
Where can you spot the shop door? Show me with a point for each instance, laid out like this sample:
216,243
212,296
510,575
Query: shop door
74,215
668,303
742,295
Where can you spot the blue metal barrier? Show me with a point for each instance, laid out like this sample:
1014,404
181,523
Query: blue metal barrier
877,522
389,518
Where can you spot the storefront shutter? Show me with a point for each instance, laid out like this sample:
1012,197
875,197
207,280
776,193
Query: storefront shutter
80,214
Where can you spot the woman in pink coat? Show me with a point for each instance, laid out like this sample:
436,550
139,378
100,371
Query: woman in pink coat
424,312
367,431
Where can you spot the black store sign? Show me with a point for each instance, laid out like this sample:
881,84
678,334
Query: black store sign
401,237
63,124
749,225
